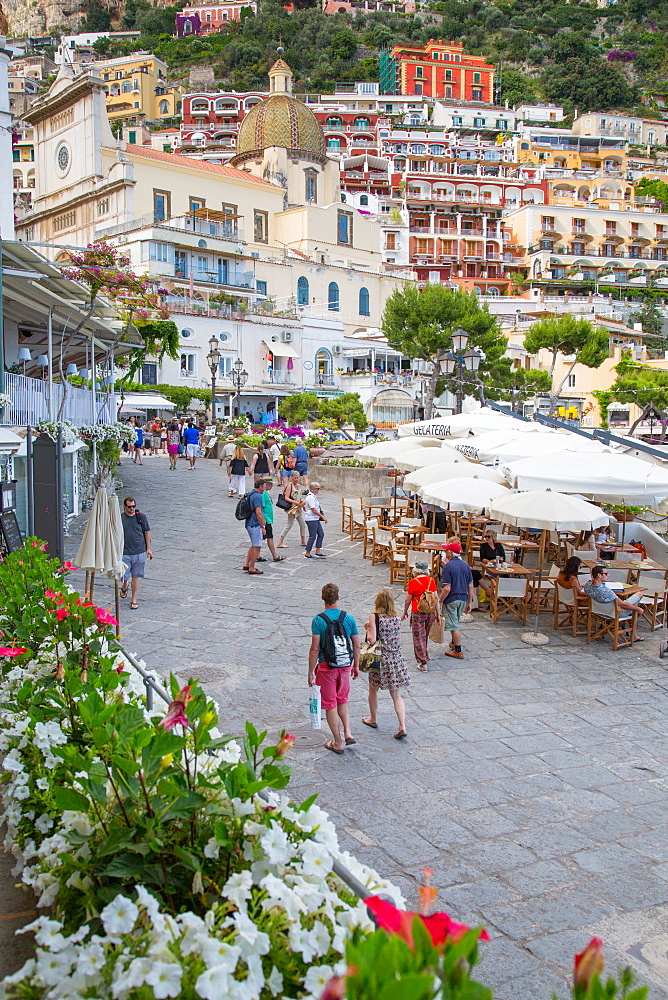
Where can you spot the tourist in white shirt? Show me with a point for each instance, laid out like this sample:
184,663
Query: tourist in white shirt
314,518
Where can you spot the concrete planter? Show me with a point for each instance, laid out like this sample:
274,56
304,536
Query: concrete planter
349,481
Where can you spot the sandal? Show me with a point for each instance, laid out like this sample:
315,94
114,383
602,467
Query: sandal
330,746
260,559
133,607
256,572
124,590
350,741
401,735
279,559
371,725
422,667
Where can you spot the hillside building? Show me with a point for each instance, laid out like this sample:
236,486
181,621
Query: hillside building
204,19
436,70
136,88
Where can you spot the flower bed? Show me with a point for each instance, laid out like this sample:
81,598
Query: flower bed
171,860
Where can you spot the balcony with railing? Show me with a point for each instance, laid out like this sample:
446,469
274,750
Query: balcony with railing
30,403
272,377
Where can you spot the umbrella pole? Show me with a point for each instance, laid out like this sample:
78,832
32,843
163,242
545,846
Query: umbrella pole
86,584
537,638
92,585
117,604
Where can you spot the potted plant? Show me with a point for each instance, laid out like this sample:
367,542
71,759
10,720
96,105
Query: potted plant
623,513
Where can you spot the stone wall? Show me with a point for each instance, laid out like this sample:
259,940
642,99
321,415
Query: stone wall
349,481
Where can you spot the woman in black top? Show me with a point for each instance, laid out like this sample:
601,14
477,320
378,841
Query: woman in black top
262,464
489,550
238,466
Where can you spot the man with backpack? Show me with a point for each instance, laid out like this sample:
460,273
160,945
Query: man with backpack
333,657
136,547
250,510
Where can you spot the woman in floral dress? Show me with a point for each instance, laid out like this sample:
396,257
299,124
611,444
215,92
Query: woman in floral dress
385,625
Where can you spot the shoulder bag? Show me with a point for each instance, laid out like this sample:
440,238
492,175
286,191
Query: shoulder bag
283,503
370,654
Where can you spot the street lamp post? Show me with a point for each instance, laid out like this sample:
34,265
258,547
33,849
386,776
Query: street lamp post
213,357
238,377
460,362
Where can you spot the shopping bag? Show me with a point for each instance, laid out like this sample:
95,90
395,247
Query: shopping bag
314,706
437,632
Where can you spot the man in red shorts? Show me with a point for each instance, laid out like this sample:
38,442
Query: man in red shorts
334,655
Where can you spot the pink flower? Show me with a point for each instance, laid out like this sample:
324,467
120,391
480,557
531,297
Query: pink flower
36,545
69,567
175,716
285,743
441,927
60,613
335,989
12,650
52,595
589,963
104,618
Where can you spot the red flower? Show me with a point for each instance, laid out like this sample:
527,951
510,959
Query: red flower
69,567
12,650
285,743
588,963
104,618
440,925
175,716
60,613
335,989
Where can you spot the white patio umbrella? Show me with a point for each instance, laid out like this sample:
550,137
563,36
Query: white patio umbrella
547,511
468,495
419,458
611,476
91,554
458,425
386,451
414,481
507,445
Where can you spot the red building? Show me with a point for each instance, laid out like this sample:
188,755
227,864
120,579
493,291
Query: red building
443,70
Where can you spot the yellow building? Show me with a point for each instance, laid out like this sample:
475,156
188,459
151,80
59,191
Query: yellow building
137,89
561,150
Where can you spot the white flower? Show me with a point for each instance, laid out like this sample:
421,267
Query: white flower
119,916
250,940
316,859
237,888
276,845
165,978
91,959
133,978
52,967
275,982
42,784
242,808
77,821
220,954
281,894
47,933
213,984
316,979
44,823
149,902
211,848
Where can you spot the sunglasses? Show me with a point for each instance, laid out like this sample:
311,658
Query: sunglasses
130,506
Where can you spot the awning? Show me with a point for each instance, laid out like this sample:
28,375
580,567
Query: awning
280,349
147,401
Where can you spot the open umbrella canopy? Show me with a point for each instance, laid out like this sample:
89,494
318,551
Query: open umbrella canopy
610,477
113,547
91,554
429,474
547,511
469,495
458,425
418,458
509,446
387,451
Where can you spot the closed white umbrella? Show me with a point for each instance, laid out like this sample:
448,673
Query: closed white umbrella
547,511
414,481
113,549
91,554
385,451
610,477
469,495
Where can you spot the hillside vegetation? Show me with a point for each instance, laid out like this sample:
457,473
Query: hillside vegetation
549,50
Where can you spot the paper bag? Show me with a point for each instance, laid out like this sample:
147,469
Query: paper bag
314,706
437,632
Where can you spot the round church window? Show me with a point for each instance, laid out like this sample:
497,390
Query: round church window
63,157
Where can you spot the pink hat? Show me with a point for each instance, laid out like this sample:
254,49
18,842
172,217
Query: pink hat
453,547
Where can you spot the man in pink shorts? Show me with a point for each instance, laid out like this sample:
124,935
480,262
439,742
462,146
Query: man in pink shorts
334,655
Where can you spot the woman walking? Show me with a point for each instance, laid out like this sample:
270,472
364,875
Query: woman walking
238,466
296,494
285,465
392,675
424,610
163,436
139,444
173,442
314,518
262,465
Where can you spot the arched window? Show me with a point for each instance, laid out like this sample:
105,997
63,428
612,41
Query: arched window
164,107
364,302
334,123
187,27
364,199
323,366
333,297
333,143
362,123
302,292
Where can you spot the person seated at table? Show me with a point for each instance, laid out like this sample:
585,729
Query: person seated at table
603,538
568,578
490,550
597,588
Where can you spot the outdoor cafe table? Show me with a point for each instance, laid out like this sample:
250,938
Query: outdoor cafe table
513,569
409,531
382,504
635,567
520,545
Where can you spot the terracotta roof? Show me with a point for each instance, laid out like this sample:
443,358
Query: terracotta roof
187,161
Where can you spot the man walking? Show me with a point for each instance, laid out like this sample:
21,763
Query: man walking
191,441
597,588
226,454
301,462
268,511
136,547
456,595
256,527
333,657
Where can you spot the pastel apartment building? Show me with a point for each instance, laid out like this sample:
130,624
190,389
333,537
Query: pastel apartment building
204,20
137,89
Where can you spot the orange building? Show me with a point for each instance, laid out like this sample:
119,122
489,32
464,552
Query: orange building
443,70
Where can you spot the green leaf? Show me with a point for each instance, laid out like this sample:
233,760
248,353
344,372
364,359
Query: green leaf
414,986
125,866
69,798
125,765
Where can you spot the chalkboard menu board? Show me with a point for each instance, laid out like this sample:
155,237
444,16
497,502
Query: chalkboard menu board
11,533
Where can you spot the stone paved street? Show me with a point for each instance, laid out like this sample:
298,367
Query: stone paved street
533,781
